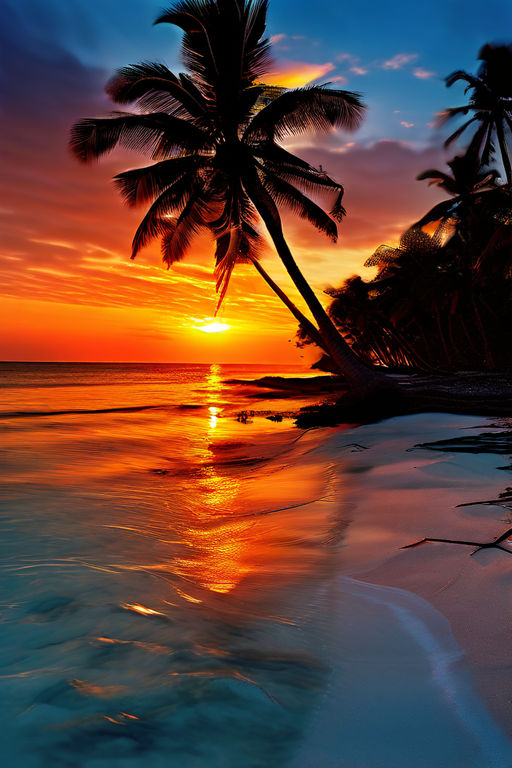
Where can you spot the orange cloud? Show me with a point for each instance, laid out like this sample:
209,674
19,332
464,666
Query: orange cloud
295,74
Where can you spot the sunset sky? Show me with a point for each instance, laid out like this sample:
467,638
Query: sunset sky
70,290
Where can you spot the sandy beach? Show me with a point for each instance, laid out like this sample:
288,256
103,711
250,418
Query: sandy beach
396,496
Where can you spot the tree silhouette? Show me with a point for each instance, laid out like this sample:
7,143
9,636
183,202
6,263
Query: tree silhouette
490,105
214,134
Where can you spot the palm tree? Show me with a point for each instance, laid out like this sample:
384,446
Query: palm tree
490,104
466,185
214,134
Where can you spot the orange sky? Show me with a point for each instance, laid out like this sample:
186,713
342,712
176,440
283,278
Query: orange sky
71,291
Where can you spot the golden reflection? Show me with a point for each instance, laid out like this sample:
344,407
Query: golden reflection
227,517
214,380
213,545
137,608
213,416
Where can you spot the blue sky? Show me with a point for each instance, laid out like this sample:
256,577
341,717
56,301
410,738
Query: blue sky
357,39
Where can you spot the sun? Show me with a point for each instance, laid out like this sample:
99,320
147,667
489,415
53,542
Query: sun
212,326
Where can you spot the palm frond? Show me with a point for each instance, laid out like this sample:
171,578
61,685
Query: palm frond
227,255
475,146
455,135
143,184
460,74
156,218
439,211
437,177
245,249
288,196
222,43
488,149
154,87
178,235
450,113
274,153
382,256
304,109
158,133
301,174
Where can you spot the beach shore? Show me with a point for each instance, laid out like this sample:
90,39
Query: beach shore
399,496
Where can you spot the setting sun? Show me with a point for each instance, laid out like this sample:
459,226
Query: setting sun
213,326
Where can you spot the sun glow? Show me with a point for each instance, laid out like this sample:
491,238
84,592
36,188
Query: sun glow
212,326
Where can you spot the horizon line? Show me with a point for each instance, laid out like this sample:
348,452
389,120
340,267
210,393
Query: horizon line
131,362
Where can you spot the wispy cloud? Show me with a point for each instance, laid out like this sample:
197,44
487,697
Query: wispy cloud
406,124
277,38
423,74
356,70
399,60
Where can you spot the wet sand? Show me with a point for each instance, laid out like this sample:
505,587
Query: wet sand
400,496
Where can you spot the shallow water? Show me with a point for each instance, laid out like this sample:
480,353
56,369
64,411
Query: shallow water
176,587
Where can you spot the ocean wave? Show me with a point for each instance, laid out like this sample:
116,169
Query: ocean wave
70,411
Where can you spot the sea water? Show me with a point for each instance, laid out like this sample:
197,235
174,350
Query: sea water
173,589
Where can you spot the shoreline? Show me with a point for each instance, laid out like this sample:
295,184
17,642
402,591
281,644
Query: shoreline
467,392
435,699
402,493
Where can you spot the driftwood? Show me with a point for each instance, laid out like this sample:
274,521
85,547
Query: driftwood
495,543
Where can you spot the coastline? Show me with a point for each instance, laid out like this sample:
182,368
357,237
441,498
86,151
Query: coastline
467,392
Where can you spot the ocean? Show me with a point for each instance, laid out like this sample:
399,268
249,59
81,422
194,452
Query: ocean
184,580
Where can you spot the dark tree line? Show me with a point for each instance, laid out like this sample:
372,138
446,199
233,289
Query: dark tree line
442,299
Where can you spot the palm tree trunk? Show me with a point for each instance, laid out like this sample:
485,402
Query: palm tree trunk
306,324
357,374
504,150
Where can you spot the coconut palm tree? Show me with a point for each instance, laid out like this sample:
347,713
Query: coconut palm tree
215,136
490,105
466,185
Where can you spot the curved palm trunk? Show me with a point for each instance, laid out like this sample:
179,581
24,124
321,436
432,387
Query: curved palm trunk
348,363
306,324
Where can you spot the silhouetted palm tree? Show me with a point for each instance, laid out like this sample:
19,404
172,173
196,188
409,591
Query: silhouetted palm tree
215,135
466,185
490,104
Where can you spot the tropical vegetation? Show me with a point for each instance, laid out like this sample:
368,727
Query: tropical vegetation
442,299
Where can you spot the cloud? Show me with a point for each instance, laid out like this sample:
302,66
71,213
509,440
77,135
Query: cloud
277,38
406,124
358,70
423,74
339,79
294,74
399,60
